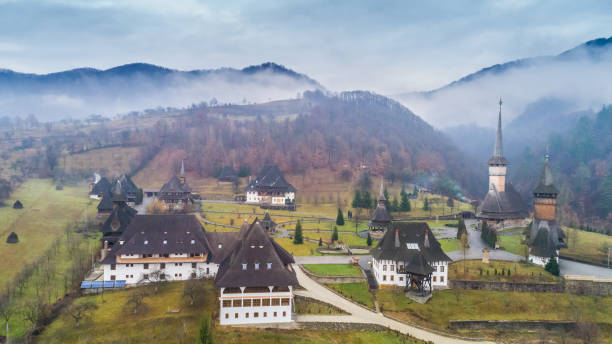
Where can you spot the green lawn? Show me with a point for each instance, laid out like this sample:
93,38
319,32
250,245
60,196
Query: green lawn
450,245
476,270
586,246
512,243
305,249
460,304
334,269
358,292
114,322
349,239
306,306
43,219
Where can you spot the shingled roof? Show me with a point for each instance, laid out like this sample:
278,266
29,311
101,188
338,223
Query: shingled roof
506,204
164,234
118,220
256,261
127,185
270,179
405,239
106,203
175,185
498,149
543,245
545,185
418,265
102,186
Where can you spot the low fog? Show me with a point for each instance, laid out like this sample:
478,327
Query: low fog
78,94
580,81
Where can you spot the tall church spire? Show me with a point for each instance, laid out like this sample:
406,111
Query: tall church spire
381,193
182,168
498,151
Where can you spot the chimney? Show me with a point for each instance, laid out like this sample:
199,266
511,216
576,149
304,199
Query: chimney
426,243
397,241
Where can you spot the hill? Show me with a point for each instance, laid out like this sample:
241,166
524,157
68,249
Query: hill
80,92
573,75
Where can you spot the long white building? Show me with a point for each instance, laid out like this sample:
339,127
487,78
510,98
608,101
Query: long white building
409,252
270,190
254,274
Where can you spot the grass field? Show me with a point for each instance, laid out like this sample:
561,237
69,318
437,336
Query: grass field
450,245
358,292
586,246
512,243
115,159
333,269
114,322
305,249
476,270
306,306
45,216
349,239
457,304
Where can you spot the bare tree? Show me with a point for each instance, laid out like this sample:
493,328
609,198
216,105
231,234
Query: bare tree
156,278
464,246
137,298
194,289
34,311
7,309
81,311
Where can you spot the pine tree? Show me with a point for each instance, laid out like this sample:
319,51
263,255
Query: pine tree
297,238
484,231
415,191
405,204
403,192
552,266
340,218
369,240
357,200
366,200
205,331
394,205
335,234
387,202
350,214
320,242
426,204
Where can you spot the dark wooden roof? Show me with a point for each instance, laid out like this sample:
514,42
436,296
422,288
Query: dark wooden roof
102,186
164,234
17,205
545,185
418,265
254,246
543,245
118,220
380,216
500,205
174,185
127,185
221,244
395,243
553,230
270,179
12,238
498,149
106,203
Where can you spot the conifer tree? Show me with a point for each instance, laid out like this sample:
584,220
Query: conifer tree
369,240
340,218
405,204
205,331
415,191
394,205
552,266
426,204
461,228
297,238
366,200
357,200
387,202
335,234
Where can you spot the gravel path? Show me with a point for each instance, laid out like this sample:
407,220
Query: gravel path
360,314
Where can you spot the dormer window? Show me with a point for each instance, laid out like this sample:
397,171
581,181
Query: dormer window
412,246
121,242
269,266
220,245
146,242
256,266
192,242
165,242
244,266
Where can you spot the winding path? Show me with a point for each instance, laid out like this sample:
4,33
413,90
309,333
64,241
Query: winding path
360,314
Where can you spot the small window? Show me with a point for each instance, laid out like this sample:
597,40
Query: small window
401,279
275,314
441,278
256,302
284,314
256,315
236,315
165,242
265,314
265,302
244,266
256,266
220,245
434,279
193,275
192,242
246,303
392,278
269,266
384,277
113,266
247,315
227,303
392,267
441,268
226,315
194,265
285,302
145,266
146,242
275,302
162,276
385,267
112,277
145,276
237,303
162,265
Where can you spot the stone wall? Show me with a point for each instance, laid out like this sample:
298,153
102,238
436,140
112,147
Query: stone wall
334,279
570,284
511,325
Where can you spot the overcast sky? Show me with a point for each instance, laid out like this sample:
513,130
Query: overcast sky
387,47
